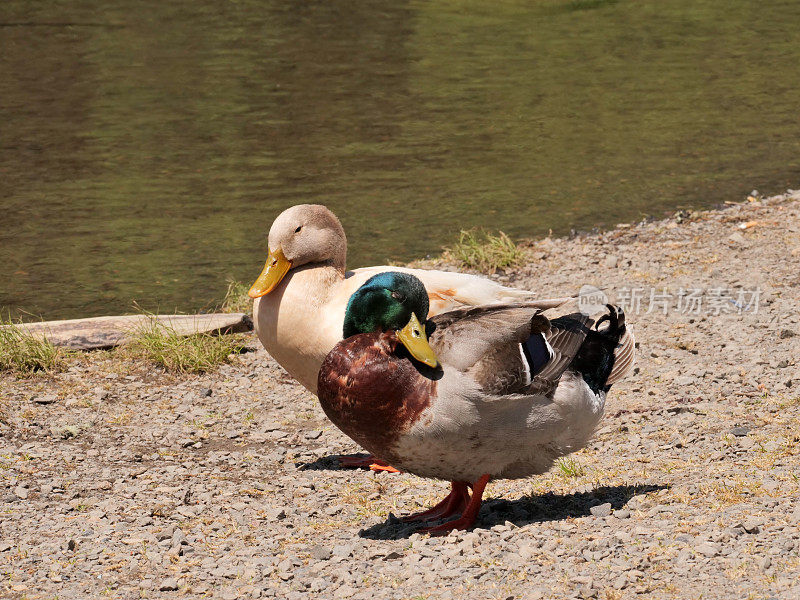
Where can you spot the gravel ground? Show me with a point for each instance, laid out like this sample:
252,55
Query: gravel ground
122,481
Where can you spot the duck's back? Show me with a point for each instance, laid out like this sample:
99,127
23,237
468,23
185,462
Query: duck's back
302,319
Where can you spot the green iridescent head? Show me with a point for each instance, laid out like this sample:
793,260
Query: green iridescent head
392,301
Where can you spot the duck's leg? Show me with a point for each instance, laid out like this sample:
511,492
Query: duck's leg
467,518
455,502
368,462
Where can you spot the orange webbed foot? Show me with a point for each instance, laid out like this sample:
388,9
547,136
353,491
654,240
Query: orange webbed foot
455,503
379,466
468,517
355,461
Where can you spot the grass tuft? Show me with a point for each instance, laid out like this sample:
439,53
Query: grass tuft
23,353
236,298
569,467
484,251
196,353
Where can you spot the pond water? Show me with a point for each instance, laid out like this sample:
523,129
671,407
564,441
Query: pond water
145,147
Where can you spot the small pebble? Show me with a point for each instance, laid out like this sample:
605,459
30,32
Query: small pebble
320,553
602,510
168,585
45,399
707,549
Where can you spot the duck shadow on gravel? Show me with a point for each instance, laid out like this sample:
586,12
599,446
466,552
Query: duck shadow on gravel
327,463
525,510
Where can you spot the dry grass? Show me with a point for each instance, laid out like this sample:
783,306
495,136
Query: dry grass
484,251
236,299
23,354
197,353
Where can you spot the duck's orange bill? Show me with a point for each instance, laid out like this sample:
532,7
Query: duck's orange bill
413,337
276,268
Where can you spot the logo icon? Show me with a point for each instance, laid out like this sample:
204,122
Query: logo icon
591,300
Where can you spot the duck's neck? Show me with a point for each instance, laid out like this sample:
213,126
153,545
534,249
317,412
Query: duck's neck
315,281
291,321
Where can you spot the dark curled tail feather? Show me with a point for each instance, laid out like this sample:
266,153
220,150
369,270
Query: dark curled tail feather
600,352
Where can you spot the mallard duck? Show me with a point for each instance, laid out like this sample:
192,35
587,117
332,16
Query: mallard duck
495,392
301,295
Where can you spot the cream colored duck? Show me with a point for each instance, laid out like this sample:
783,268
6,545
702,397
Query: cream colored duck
302,293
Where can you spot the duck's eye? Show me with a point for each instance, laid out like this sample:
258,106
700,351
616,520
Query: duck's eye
299,227
398,296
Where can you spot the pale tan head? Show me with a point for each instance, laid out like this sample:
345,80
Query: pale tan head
309,233
301,235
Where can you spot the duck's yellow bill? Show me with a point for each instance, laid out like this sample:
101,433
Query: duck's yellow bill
413,337
276,268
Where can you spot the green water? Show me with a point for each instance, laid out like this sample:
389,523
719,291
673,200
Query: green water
145,147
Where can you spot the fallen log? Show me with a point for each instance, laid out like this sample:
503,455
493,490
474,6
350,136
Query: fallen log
100,333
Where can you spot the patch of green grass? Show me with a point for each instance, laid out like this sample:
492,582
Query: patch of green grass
23,353
569,467
236,299
196,353
484,251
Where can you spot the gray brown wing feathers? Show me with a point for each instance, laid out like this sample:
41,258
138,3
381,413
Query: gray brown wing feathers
565,337
464,336
485,342
624,356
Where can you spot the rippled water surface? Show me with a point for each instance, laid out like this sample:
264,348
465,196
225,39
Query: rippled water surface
145,147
